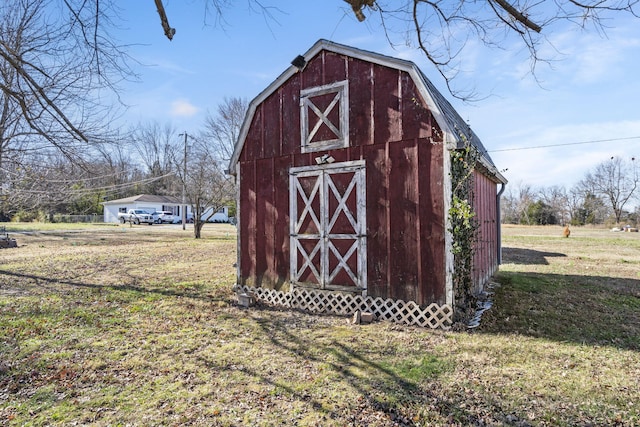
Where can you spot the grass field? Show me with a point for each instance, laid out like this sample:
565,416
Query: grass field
120,325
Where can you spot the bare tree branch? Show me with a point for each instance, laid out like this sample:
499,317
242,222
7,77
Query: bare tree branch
518,16
164,21
615,180
222,128
441,29
56,60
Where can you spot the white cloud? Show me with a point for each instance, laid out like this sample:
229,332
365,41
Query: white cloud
160,65
588,58
183,108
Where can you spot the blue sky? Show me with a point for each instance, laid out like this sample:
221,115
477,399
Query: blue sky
590,93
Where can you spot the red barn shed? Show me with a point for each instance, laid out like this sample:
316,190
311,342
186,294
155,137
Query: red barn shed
343,167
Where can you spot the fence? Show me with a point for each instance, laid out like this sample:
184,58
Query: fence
77,218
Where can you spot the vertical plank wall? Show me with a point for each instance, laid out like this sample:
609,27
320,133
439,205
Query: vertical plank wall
485,262
391,129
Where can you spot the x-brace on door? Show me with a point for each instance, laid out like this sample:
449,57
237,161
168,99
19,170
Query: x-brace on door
328,226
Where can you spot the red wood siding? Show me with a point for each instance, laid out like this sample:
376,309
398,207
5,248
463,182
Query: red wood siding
389,128
361,101
272,122
485,260
290,119
247,223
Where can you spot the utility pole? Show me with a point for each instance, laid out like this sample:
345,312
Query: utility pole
184,183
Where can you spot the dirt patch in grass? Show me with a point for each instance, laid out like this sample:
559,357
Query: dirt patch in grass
139,326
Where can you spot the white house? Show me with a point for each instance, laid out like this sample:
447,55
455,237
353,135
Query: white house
153,203
221,216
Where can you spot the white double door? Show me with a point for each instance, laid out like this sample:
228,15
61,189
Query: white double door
328,226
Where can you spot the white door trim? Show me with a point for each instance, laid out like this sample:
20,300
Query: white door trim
324,221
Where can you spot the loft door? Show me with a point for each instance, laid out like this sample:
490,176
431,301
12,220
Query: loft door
328,226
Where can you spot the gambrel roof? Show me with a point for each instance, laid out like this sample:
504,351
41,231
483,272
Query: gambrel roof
456,130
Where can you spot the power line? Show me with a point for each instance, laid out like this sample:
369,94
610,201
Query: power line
568,143
92,190
74,180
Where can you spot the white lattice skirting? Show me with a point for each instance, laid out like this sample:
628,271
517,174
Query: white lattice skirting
319,301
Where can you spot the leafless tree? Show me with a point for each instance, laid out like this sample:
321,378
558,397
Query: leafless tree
442,28
508,212
575,202
208,189
47,182
60,66
615,181
223,128
557,199
117,172
40,186
526,196
57,64
515,203
157,148
56,59
221,131
58,55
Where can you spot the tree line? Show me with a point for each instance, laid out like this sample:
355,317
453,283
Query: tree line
61,68
41,183
607,194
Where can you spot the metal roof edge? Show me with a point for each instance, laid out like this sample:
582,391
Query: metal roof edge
142,197
490,167
248,118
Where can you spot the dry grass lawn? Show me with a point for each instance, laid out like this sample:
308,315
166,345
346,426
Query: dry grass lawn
138,326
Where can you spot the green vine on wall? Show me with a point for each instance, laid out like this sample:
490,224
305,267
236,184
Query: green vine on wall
464,228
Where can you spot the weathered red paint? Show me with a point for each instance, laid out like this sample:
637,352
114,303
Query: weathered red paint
393,131
485,260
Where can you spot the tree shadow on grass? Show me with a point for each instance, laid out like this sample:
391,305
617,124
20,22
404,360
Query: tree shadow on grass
527,256
588,310
289,341
379,388
7,288
92,237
